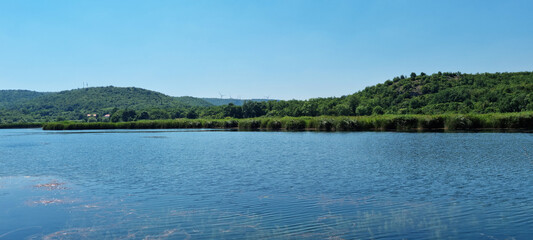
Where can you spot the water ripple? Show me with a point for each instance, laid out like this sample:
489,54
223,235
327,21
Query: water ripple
265,185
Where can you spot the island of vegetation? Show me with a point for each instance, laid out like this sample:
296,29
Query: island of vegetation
415,102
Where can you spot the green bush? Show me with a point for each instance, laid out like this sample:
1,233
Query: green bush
273,124
325,125
458,122
431,122
293,124
346,124
249,124
405,122
232,123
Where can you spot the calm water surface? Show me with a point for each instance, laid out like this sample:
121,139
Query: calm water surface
275,185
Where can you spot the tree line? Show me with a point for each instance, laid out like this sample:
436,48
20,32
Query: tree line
439,93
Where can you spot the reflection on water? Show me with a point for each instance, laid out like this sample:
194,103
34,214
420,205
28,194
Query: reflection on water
275,185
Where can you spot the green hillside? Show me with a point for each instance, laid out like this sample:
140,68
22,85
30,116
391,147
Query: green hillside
439,93
10,97
417,94
448,93
422,94
76,104
193,101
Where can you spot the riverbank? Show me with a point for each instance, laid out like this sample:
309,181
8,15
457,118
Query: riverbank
21,125
519,121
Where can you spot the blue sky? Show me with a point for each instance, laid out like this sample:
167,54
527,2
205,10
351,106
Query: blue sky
253,49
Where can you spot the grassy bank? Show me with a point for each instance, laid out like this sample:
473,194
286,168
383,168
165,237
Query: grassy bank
21,125
523,121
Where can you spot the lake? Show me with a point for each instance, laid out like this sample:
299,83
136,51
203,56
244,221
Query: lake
207,184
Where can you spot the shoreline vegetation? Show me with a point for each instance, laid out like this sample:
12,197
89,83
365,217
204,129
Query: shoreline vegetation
21,125
493,121
418,94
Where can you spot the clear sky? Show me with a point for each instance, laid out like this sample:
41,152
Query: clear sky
253,49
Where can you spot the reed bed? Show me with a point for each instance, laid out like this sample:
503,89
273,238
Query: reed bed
520,121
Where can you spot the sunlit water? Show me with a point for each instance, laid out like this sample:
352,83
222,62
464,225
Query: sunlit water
275,185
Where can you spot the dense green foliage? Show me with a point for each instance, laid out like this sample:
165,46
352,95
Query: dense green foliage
193,101
12,97
26,106
449,93
522,120
439,93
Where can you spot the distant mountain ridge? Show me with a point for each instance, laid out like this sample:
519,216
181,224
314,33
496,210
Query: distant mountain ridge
238,102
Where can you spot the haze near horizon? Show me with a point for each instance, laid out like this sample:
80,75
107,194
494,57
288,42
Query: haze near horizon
245,49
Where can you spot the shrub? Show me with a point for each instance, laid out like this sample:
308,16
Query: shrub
405,122
249,124
431,122
347,125
293,124
325,124
457,122
232,123
273,124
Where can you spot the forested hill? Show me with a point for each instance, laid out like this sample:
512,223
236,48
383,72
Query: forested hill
415,94
437,93
74,104
11,97
447,93
193,101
